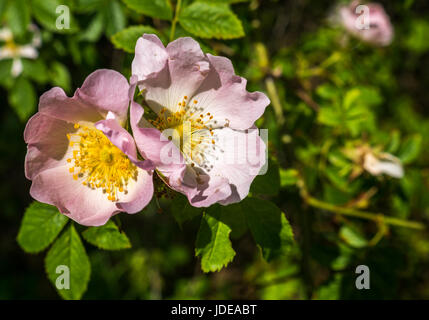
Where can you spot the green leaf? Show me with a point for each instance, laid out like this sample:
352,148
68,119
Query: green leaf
94,30
288,177
45,13
213,244
269,183
5,73
211,21
329,116
410,149
107,237
2,8
269,227
69,251
35,70
327,91
416,40
395,140
154,8
40,226
89,5
18,16
182,210
60,76
351,98
114,17
233,216
127,38
352,237
22,98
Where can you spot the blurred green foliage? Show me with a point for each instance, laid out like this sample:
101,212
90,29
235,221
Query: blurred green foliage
334,99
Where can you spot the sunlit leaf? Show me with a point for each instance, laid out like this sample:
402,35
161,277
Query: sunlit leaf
40,225
69,251
210,21
107,237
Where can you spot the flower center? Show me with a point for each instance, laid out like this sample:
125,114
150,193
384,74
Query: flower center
193,129
99,163
11,45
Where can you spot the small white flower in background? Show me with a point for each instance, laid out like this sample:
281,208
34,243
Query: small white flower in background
9,49
384,163
373,160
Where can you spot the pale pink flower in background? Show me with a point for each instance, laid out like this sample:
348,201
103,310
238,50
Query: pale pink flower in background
380,31
80,158
200,98
12,50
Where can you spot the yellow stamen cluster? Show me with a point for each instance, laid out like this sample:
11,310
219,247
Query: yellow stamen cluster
99,163
197,136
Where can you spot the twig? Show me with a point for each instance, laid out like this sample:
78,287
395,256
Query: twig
373,216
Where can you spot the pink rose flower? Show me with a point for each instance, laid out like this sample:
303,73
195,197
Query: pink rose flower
80,158
380,31
208,108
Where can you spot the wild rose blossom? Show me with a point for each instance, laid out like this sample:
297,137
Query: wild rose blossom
80,158
380,31
200,98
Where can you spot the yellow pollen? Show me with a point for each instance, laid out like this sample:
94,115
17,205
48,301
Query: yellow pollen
99,163
193,131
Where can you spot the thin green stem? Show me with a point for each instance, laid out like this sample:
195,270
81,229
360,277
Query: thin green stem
373,216
275,100
175,19
377,217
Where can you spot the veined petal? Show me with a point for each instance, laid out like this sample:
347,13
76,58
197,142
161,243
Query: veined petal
182,75
150,56
57,187
106,90
47,143
88,207
223,94
103,91
153,145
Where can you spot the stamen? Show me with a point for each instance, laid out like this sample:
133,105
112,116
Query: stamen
100,163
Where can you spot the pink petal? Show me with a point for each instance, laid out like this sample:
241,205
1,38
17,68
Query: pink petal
241,159
103,91
55,103
141,195
86,206
151,144
57,187
150,56
47,143
185,70
214,190
224,95
106,90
